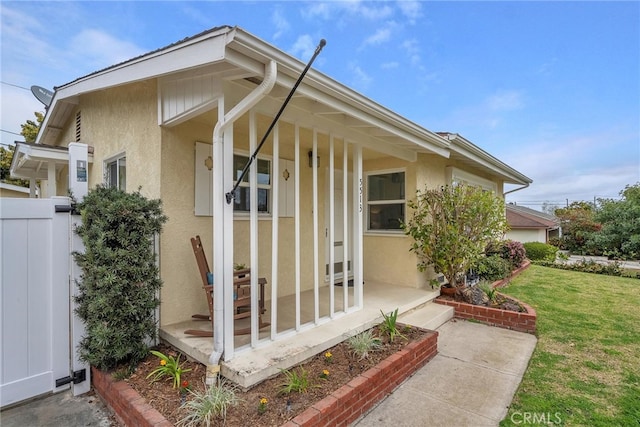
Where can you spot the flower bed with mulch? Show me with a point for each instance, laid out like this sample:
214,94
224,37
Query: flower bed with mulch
352,388
523,321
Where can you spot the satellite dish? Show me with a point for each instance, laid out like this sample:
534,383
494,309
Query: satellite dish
43,95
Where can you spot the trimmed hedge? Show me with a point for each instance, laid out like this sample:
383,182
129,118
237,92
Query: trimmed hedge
537,251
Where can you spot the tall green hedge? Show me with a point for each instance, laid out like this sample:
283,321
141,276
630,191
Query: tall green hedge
537,251
120,279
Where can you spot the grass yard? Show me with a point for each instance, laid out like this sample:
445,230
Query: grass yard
585,370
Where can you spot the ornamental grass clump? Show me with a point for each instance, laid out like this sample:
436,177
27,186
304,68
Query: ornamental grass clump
295,381
204,408
364,343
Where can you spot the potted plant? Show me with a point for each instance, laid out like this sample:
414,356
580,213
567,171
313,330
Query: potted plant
451,226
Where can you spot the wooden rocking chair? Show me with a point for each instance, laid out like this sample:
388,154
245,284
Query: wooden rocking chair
241,294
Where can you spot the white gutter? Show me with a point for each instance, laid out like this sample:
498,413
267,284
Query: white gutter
271,72
516,189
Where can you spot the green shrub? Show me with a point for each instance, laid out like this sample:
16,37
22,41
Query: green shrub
586,266
537,251
120,279
510,250
492,268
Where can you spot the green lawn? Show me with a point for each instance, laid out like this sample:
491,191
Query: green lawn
585,370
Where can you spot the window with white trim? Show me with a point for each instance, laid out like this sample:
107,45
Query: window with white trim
386,202
458,176
242,199
115,172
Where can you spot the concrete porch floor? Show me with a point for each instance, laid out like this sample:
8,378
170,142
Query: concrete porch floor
251,366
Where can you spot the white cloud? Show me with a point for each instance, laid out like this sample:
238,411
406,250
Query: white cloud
380,36
411,9
505,101
280,22
573,167
361,80
412,49
303,47
336,10
390,65
101,49
17,106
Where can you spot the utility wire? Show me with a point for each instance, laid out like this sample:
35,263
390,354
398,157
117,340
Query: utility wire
11,84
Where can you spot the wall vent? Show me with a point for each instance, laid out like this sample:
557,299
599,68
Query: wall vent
78,120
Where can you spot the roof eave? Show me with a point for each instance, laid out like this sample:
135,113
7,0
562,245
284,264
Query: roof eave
465,148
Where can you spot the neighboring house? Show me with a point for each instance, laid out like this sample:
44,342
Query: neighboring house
12,190
530,225
336,173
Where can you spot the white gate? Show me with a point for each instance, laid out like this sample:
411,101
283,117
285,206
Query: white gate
37,311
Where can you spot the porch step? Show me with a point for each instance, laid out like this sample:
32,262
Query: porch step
428,316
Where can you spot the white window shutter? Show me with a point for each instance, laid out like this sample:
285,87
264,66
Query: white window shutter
203,179
286,187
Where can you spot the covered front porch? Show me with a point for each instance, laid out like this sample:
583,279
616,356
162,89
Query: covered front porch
253,365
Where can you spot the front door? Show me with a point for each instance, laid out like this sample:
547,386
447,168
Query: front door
342,235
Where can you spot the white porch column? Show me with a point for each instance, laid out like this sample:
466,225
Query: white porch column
32,188
357,226
78,185
51,178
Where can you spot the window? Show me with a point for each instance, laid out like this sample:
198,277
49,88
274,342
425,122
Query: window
116,173
241,202
457,176
385,200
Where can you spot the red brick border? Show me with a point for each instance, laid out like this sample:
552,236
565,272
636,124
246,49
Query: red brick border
523,322
342,407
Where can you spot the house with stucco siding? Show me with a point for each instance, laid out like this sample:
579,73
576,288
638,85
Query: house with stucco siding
318,215
530,225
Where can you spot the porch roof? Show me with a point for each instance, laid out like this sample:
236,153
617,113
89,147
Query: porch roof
30,160
234,55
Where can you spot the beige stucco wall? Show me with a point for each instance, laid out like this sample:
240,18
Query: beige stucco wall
121,120
161,161
527,235
387,257
10,193
182,285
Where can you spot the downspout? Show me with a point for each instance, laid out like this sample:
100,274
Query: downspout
516,189
218,138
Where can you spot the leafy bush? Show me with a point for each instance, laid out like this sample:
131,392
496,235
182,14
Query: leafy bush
451,227
537,251
120,279
586,266
492,268
509,250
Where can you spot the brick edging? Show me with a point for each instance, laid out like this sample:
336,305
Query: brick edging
130,408
518,321
355,398
343,406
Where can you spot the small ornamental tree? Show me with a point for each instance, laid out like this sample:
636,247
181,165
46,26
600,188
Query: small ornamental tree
452,225
120,279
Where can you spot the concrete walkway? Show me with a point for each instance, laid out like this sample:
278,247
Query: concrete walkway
59,410
471,381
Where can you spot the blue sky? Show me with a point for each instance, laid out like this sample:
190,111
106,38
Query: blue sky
550,88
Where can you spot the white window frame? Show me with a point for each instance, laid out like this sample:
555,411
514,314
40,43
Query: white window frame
370,203
268,187
458,176
107,170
